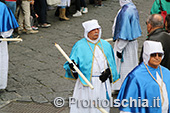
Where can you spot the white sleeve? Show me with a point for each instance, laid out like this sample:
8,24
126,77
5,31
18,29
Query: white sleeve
121,45
7,33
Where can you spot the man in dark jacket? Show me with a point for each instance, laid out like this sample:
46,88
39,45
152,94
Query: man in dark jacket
156,33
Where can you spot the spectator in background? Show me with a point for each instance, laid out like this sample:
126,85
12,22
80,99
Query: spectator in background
156,6
81,7
167,23
41,9
24,18
62,9
34,16
11,4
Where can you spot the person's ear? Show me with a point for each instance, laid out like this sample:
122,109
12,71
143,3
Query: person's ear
149,27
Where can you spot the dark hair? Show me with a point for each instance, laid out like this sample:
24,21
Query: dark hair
167,19
168,0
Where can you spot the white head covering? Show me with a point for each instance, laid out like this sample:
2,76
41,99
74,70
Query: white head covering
123,2
150,47
91,25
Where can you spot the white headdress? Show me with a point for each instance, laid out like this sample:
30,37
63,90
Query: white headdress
123,2
150,47
91,25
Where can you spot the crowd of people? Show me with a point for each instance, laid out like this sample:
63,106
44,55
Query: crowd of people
107,69
32,14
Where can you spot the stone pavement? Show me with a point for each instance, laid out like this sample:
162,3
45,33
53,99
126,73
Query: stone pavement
36,71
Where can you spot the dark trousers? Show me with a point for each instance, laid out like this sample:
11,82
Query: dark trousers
40,7
80,3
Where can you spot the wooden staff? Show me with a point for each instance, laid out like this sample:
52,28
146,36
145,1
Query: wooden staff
74,66
109,39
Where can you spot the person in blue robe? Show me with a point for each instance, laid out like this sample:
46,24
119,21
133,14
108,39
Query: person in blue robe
95,59
148,84
127,22
7,25
125,31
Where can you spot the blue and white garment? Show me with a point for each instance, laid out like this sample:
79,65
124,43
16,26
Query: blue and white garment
83,57
7,24
139,84
127,25
92,58
126,29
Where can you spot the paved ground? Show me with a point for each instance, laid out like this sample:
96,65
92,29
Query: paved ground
36,71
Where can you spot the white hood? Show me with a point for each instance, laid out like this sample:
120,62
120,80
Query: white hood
123,2
150,47
91,25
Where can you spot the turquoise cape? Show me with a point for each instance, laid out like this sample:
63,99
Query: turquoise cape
7,19
139,83
127,23
83,56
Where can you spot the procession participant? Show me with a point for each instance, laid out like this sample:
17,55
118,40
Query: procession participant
148,82
126,29
7,25
95,59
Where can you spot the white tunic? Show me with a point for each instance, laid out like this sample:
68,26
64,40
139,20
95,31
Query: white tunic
4,60
130,56
130,59
99,92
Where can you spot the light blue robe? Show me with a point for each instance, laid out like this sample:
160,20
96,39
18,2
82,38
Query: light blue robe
127,23
83,56
139,83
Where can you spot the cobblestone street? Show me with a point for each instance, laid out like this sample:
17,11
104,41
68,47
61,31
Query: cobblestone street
36,71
